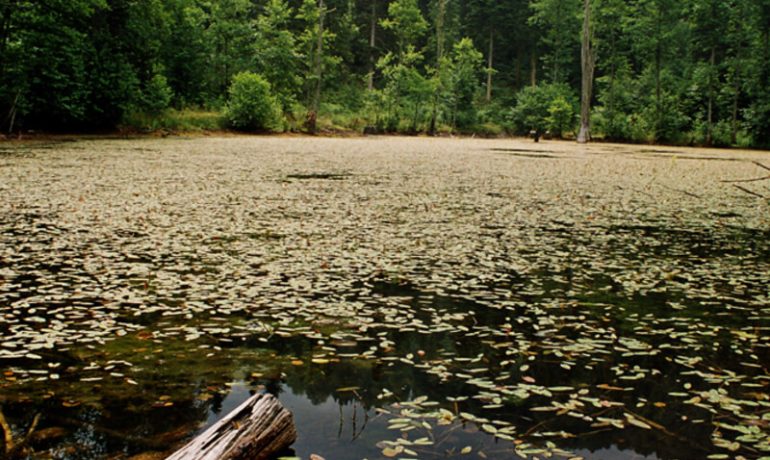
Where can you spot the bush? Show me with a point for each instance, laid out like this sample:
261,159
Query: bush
561,116
157,95
758,119
465,72
494,112
672,121
610,125
252,106
544,108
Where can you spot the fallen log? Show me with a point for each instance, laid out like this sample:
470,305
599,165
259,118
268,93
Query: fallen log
257,430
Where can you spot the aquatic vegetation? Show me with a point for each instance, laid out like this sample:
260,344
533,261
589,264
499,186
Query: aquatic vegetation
436,297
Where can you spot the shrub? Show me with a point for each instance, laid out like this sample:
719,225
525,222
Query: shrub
758,119
610,125
561,116
465,72
157,95
546,107
618,101
252,106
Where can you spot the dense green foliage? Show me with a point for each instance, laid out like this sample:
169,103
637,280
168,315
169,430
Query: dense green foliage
252,105
543,108
681,71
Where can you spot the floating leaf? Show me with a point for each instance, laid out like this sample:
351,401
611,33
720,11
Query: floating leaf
391,452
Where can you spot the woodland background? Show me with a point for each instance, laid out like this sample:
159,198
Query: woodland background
668,71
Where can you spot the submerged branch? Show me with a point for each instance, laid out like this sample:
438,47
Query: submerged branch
686,192
750,192
18,450
761,165
33,426
7,433
756,179
745,180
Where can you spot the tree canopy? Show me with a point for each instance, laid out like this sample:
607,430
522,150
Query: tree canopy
679,71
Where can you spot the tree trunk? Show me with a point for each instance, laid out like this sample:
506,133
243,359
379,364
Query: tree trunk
533,68
12,113
764,69
555,77
317,69
372,38
588,63
736,96
439,58
258,429
710,109
5,32
517,64
658,65
226,80
490,62
611,86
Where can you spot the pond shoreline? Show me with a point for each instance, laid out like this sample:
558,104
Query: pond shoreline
22,138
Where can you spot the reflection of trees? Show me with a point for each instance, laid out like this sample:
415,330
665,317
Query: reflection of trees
100,431
111,416
679,440
372,376
642,315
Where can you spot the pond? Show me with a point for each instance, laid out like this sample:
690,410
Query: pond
403,297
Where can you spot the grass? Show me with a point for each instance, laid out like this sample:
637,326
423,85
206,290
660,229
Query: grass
335,118
185,120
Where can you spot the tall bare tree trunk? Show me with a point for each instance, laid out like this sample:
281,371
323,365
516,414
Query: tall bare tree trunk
658,69
533,69
318,69
736,97
372,39
490,62
734,127
12,113
226,77
611,89
588,63
5,32
439,58
517,68
555,77
710,110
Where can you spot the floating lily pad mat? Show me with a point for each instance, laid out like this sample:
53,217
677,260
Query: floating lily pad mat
405,298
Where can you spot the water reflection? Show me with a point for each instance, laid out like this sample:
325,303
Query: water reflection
337,430
333,418
334,429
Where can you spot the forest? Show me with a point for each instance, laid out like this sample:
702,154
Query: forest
691,72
